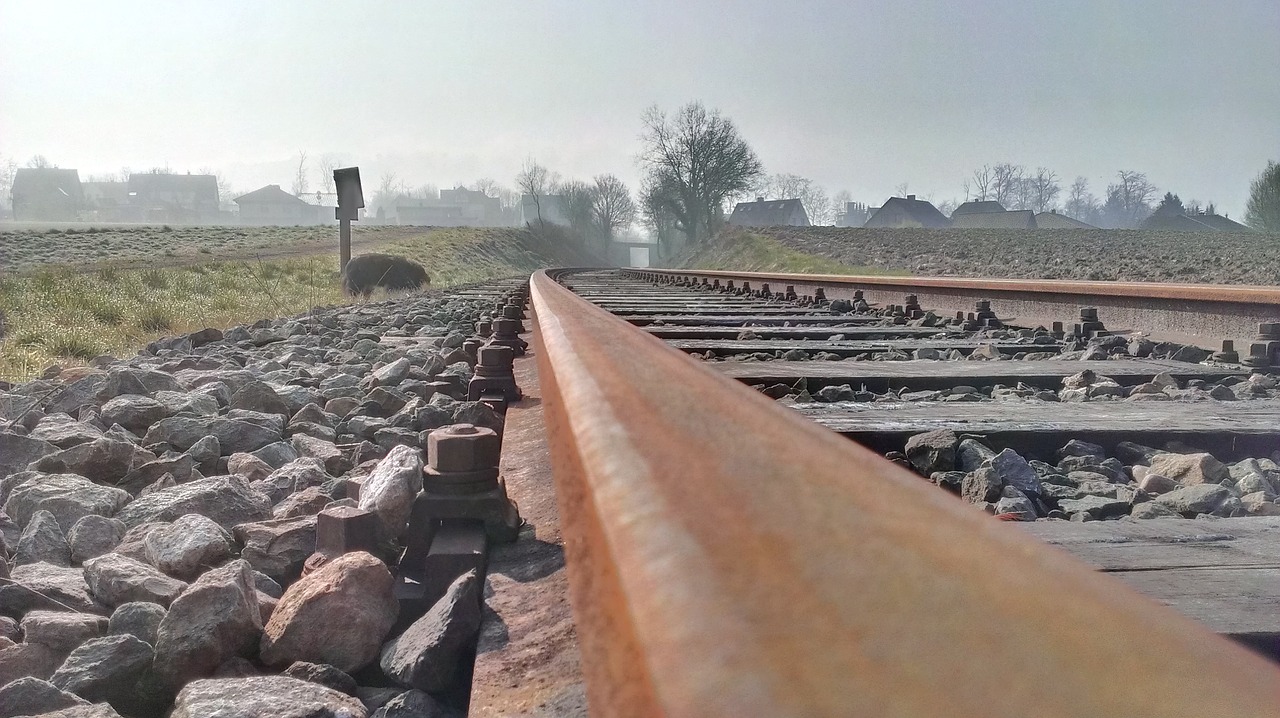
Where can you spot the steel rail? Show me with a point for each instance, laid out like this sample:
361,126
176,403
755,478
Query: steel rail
727,557
1179,311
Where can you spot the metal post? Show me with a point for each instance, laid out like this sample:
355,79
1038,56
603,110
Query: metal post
344,244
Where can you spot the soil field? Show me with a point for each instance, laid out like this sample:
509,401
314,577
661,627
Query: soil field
26,246
1130,255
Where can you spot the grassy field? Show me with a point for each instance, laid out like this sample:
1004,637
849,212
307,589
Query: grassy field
66,311
753,250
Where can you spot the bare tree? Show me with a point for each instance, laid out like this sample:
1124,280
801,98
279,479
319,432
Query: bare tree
328,163
488,186
817,204
656,214
1044,189
534,180
578,199
901,190
39,162
1081,204
1129,199
1006,180
300,176
983,181
612,208
700,161
8,167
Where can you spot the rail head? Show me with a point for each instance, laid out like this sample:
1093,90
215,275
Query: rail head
728,557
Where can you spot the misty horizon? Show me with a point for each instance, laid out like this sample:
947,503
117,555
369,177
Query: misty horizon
857,98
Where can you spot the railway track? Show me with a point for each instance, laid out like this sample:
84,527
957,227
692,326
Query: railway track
731,554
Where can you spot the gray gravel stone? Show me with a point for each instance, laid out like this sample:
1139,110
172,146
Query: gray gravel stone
426,656
62,630
42,540
140,619
264,697
188,546
93,536
114,579
217,618
32,697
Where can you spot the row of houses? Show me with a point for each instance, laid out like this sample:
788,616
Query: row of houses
48,194
910,211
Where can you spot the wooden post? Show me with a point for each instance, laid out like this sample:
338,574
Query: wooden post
344,244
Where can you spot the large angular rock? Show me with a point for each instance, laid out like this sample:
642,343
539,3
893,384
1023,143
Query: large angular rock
1190,469
42,540
981,486
971,453
188,546
391,488
33,697
215,619
28,659
264,697
426,656
1014,471
227,500
64,432
45,586
278,547
67,496
308,502
140,619
1096,507
1195,499
18,451
413,704
324,674
180,467
234,435
293,477
93,536
62,630
357,587
257,396
114,579
252,468
327,452
933,451
105,669
134,412
106,460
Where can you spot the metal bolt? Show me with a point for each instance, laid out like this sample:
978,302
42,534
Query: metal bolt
1088,314
463,447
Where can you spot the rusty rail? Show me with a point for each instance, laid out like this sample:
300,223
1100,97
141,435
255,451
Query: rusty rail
1196,312
727,557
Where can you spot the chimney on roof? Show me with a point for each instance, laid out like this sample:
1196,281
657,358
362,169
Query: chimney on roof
911,196
759,198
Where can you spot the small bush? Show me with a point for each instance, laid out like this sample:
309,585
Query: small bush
155,320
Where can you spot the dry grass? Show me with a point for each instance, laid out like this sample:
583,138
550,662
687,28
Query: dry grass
71,313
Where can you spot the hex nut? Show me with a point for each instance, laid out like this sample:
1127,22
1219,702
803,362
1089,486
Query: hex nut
462,447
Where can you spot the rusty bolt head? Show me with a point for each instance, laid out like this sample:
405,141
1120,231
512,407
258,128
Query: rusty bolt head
511,312
462,447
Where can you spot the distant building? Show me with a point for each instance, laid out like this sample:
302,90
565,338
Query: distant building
907,212
1176,221
1054,220
107,202
185,199
457,207
549,206
326,204
975,206
770,213
632,252
1016,219
47,194
855,215
271,205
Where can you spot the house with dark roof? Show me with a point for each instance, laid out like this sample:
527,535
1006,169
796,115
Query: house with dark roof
1015,219
975,206
163,197
907,212
770,213
1175,221
1053,220
271,205
47,194
106,201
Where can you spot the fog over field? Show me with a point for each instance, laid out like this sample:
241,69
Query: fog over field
866,97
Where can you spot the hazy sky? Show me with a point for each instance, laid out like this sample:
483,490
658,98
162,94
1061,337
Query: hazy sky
856,95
